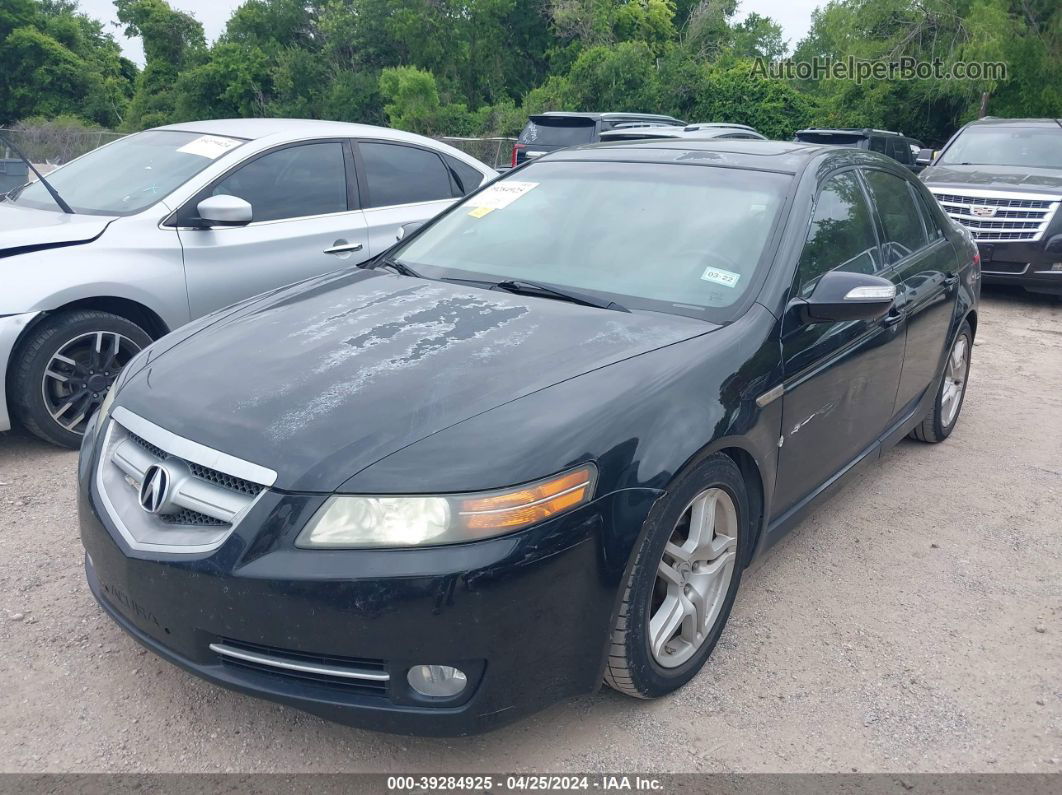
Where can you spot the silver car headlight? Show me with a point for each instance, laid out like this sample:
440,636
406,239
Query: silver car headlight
347,521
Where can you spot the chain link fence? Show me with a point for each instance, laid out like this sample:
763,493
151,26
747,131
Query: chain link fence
49,145
495,152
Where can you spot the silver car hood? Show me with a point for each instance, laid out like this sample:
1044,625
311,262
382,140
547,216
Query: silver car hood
26,229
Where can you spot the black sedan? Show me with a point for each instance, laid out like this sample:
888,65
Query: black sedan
534,445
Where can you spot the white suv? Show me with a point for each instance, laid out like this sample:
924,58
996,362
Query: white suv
175,222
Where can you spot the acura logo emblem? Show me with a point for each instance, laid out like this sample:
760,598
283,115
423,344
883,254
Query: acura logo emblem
153,489
984,212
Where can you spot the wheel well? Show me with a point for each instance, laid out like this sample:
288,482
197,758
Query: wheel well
746,464
123,307
971,318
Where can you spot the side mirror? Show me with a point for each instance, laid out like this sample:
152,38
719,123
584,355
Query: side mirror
925,157
405,229
225,210
840,296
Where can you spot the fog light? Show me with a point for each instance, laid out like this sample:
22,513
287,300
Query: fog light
437,681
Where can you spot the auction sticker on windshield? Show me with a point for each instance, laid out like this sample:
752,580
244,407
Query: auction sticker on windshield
498,197
720,276
211,146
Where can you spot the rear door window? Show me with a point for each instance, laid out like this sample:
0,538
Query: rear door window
400,174
899,214
466,177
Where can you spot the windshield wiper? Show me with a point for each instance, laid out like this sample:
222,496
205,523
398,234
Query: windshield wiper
47,185
524,287
393,264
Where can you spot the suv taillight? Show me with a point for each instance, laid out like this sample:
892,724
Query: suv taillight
516,148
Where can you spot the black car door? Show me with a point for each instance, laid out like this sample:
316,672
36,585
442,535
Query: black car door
921,262
840,378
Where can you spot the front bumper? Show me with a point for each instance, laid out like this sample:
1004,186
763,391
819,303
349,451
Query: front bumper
525,616
11,327
1029,265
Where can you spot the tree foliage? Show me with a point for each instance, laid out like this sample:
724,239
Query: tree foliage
480,66
55,60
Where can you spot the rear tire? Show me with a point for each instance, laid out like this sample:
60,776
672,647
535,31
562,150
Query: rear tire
681,588
941,421
62,370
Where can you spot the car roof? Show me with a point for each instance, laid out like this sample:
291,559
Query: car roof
1000,122
782,156
846,131
283,130
610,115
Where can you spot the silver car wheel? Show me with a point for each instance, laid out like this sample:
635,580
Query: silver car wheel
79,374
693,577
954,380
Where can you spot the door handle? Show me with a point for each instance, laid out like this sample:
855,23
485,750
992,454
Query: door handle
950,279
343,248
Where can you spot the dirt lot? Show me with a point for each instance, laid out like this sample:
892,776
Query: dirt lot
913,623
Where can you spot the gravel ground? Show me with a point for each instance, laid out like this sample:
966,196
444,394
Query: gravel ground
911,624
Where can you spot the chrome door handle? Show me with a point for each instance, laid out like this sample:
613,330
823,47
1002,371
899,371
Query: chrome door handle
343,248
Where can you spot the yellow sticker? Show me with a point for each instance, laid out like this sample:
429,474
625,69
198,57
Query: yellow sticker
479,212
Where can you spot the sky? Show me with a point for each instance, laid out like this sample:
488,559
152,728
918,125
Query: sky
793,15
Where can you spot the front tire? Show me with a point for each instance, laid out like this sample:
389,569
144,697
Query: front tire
62,370
941,421
682,586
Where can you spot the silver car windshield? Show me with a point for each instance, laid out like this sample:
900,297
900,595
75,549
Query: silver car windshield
129,175
682,239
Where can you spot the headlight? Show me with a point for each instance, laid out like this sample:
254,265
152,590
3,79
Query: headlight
353,522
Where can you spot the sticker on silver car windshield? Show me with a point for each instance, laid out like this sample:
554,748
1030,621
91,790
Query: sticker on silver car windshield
210,146
720,276
498,197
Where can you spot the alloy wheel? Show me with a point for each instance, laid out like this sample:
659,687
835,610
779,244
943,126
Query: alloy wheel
954,380
693,577
79,374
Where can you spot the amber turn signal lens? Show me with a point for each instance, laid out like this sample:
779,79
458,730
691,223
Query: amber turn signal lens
527,505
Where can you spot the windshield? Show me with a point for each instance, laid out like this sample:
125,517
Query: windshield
129,175
1036,147
683,239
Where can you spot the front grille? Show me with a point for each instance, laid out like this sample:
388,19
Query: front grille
1016,217
198,507
224,480
350,674
191,518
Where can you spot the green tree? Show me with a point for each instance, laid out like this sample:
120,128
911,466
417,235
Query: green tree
56,61
173,42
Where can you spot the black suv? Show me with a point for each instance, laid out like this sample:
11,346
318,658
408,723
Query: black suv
891,144
554,130
1002,180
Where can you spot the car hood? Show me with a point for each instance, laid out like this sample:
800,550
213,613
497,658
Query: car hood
323,379
1008,178
24,229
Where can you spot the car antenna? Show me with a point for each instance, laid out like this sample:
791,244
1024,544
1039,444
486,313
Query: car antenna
47,185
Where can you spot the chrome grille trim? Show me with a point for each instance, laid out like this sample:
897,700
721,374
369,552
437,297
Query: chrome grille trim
203,505
288,665
193,451
1018,217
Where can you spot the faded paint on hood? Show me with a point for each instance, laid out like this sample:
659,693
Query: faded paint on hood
321,380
